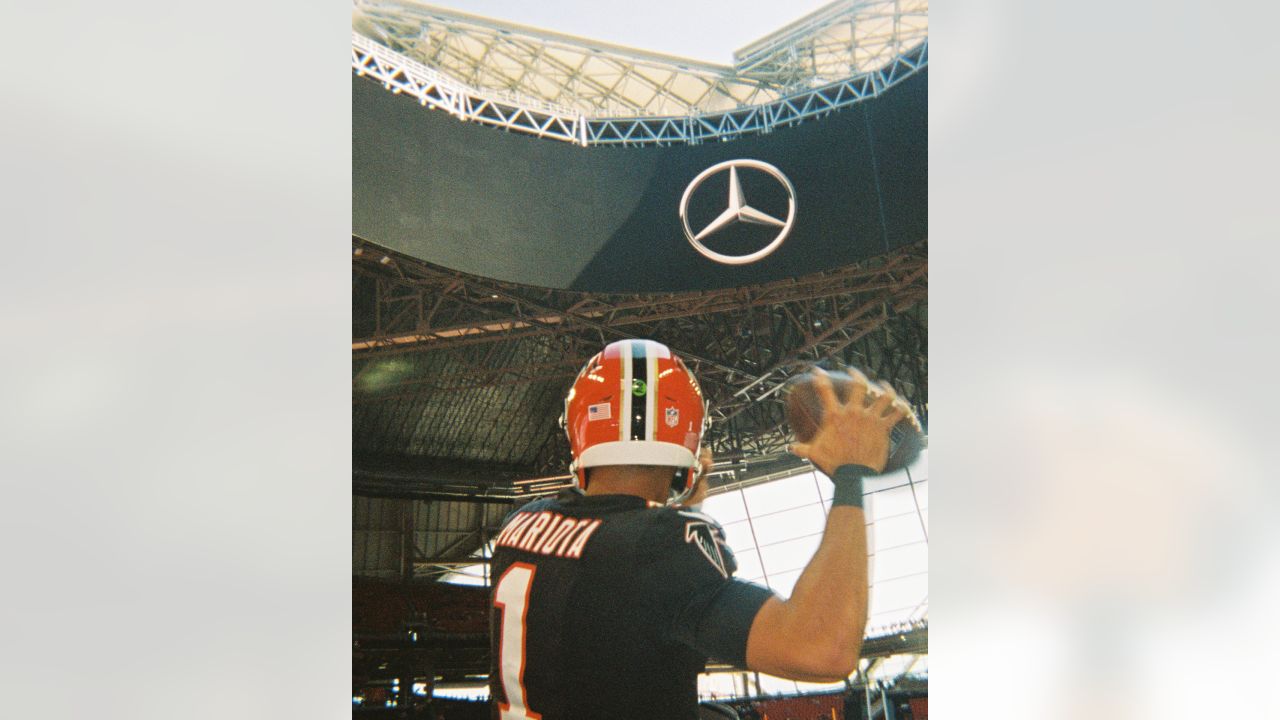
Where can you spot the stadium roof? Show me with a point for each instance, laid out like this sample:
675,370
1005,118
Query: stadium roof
416,47
458,381
440,356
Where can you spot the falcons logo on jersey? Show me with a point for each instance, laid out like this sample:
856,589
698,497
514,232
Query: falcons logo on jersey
702,536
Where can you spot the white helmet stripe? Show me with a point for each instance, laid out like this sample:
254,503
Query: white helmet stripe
624,403
651,396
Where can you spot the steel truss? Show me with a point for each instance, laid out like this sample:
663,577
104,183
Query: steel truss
591,93
742,343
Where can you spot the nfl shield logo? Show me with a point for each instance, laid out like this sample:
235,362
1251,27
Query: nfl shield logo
673,417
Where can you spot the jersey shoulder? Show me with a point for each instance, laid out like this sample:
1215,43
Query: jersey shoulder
667,517
533,506
690,538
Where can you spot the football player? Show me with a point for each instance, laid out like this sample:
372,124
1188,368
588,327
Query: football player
609,599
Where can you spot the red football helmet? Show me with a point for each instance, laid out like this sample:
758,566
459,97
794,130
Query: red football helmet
635,403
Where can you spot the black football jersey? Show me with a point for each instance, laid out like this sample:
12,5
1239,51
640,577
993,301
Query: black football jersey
607,607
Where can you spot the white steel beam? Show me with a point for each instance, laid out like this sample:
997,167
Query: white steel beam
593,93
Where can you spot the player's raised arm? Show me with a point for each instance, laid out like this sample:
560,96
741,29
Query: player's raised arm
816,634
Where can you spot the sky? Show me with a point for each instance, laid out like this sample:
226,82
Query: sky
708,30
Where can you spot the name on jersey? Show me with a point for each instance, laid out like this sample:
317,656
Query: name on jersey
548,533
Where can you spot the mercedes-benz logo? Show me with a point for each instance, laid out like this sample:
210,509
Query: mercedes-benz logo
738,211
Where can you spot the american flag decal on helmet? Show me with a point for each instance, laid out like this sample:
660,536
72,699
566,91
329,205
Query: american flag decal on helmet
599,411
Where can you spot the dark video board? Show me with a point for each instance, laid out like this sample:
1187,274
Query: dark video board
544,212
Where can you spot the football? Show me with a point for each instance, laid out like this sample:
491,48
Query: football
804,415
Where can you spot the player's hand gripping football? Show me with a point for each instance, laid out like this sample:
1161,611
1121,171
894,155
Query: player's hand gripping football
852,432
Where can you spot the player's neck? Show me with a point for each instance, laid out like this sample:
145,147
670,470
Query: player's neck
650,483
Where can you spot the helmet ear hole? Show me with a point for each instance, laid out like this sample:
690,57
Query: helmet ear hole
677,482
682,482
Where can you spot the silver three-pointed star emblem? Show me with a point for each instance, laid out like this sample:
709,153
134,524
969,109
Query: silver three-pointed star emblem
738,211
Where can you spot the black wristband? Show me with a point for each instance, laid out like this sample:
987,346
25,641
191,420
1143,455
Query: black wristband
848,482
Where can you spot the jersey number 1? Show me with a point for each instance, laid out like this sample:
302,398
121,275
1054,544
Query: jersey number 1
512,599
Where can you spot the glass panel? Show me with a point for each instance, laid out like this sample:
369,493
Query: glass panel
808,687
466,575
871,485
461,579
771,685
825,488
780,495
922,493
920,468
788,520
748,564
903,592
895,531
726,507
784,583
881,482
892,666
462,693
716,685
919,471
738,535
906,560
893,502
879,621
790,555
789,524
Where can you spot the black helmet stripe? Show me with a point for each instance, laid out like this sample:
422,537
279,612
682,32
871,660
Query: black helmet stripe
639,379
